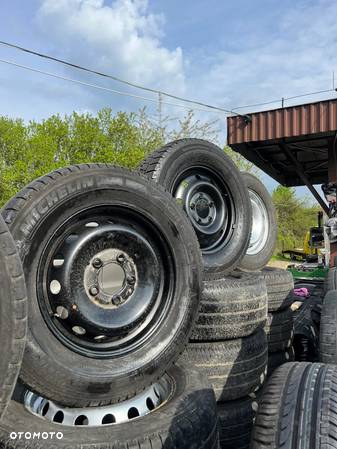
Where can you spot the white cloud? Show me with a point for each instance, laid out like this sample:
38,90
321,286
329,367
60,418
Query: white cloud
122,38
297,54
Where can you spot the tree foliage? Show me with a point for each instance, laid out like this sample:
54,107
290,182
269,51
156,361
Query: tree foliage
30,150
294,217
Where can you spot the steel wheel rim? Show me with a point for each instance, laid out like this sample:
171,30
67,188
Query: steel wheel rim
208,203
102,324
140,405
260,224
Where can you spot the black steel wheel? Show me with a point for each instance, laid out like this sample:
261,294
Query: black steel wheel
206,183
111,263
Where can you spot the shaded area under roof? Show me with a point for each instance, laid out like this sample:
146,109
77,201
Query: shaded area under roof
291,144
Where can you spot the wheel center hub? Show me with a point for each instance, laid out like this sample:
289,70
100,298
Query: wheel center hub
202,208
110,278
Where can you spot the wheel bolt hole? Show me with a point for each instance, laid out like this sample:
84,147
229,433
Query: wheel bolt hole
108,419
131,280
133,413
94,290
58,417
97,263
62,312
156,392
58,262
149,404
92,224
81,420
79,330
45,409
55,287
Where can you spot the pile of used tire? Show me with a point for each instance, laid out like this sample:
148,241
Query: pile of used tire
150,311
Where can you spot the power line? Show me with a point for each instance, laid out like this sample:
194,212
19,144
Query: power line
106,89
283,99
115,78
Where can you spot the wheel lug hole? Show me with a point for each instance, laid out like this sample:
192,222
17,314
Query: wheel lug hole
97,263
192,206
120,258
131,280
94,290
211,204
209,219
117,300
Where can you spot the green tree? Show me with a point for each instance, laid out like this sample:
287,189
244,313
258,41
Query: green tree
30,150
294,217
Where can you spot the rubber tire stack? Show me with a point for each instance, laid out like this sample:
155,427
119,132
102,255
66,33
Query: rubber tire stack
228,345
298,408
280,327
188,418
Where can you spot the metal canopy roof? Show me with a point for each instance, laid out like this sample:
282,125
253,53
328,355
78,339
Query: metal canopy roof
290,144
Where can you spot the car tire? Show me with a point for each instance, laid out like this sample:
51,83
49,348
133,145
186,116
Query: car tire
13,315
264,227
191,167
276,359
231,307
298,408
236,420
280,330
280,285
330,282
188,419
235,368
328,329
70,215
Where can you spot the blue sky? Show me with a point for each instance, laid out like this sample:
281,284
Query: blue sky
228,53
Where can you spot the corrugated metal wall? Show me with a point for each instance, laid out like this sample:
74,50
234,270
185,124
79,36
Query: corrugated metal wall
292,121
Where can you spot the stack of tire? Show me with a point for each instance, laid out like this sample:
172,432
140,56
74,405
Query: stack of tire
280,325
233,216
143,291
113,273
